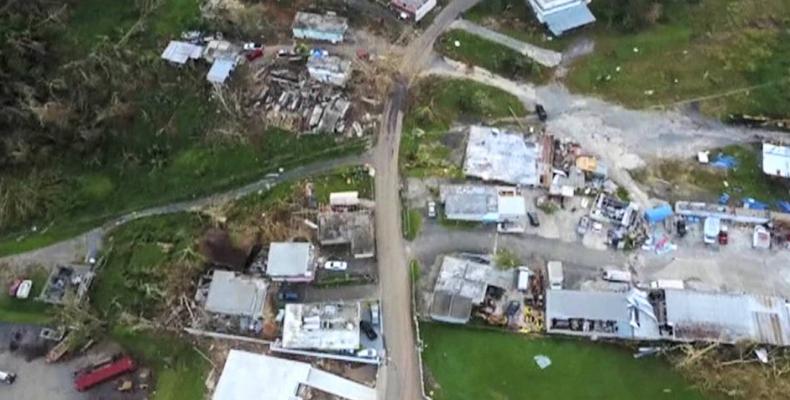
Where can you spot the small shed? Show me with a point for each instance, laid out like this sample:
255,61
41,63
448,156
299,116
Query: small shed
178,52
220,70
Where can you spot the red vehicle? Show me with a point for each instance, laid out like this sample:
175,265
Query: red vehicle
87,380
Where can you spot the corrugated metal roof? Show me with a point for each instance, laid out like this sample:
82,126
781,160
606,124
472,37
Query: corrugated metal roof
568,18
220,70
776,160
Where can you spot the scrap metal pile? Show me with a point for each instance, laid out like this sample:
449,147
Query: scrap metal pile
286,96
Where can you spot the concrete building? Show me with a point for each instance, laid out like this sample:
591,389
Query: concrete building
501,156
322,326
413,10
561,16
669,314
291,262
461,285
724,213
776,160
351,228
257,376
233,294
329,28
329,69
487,204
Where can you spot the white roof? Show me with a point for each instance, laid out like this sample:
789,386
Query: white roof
503,156
220,70
257,376
180,52
776,160
235,295
322,326
512,205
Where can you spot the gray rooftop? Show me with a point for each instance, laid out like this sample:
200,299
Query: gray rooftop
236,295
470,279
290,260
322,23
727,318
470,202
354,228
451,308
502,156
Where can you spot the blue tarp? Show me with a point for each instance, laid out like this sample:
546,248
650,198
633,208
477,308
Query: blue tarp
784,206
753,204
572,17
658,214
724,199
724,161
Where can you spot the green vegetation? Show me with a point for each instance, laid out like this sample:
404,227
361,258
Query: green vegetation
506,259
415,270
347,179
83,143
691,180
504,369
427,148
683,50
179,370
455,224
516,19
622,194
147,259
499,59
412,223
26,311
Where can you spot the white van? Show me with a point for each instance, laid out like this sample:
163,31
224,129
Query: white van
555,275
522,279
616,275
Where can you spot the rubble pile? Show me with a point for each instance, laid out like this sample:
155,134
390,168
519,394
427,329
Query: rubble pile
290,99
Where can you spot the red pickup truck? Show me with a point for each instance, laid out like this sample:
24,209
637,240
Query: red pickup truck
89,379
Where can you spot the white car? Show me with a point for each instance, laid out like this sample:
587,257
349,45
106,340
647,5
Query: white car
367,353
336,265
431,209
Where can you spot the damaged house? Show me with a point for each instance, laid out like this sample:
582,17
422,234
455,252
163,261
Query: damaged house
501,156
328,28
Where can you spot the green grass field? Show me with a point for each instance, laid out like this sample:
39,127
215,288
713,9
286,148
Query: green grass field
26,311
485,365
412,223
436,104
474,50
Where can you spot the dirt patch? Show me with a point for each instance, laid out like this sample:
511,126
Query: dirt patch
681,180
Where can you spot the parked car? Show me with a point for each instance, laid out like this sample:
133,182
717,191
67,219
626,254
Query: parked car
7,377
616,275
583,226
367,329
542,115
681,227
374,313
288,295
724,237
431,209
367,353
533,218
336,265
512,308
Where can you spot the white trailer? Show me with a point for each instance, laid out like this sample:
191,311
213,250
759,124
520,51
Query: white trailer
555,275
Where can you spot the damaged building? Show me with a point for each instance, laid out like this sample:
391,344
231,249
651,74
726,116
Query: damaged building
67,283
328,28
669,314
329,69
461,285
348,228
502,205
498,155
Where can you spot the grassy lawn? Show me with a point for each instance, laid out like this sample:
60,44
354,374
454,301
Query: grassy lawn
696,50
692,180
435,104
27,311
499,59
412,223
347,179
179,370
472,365
515,19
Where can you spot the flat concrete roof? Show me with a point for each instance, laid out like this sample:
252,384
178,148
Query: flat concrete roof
233,294
354,228
776,160
181,52
470,202
291,260
257,376
501,156
322,326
